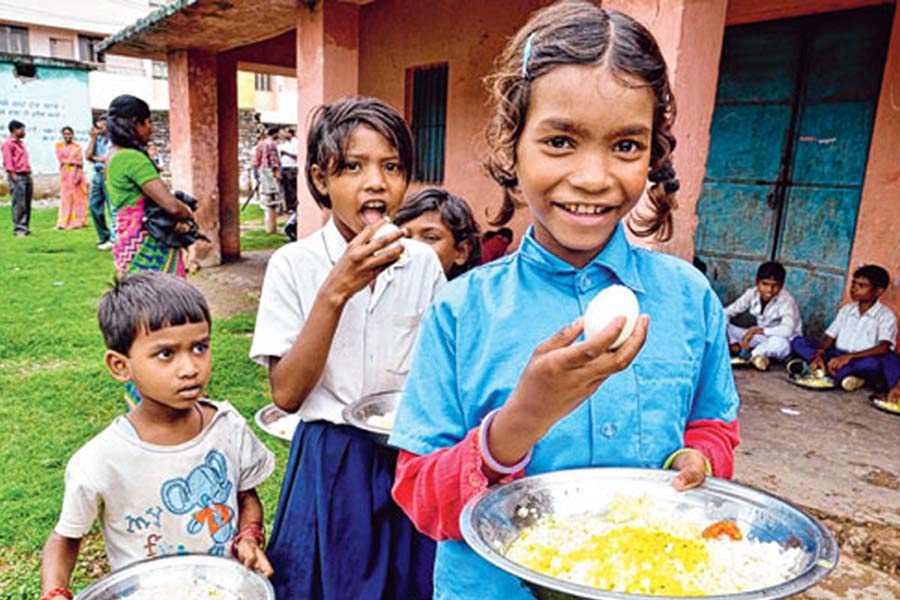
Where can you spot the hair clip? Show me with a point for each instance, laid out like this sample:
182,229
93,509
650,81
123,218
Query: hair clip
526,54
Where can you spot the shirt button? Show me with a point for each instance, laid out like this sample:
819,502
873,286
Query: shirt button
475,480
609,429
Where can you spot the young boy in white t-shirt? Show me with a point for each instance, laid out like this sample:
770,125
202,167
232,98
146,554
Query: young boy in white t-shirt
177,475
859,344
777,318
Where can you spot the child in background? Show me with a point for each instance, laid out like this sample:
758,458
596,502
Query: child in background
502,383
178,474
858,344
777,319
443,221
338,318
495,244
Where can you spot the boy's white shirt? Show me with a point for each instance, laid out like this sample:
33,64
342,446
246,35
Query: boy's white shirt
160,500
781,316
374,341
288,146
853,332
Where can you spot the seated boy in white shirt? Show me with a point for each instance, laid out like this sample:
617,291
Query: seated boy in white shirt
858,344
177,475
777,318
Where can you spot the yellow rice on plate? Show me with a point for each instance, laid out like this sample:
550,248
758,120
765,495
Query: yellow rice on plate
637,549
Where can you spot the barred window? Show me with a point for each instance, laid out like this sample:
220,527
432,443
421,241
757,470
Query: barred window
429,120
86,50
13,40
263,82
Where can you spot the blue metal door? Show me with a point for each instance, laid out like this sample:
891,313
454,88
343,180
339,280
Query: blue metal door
789,140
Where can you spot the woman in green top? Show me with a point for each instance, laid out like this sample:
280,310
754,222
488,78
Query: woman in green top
133,182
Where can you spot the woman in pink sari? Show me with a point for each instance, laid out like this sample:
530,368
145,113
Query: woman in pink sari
72,184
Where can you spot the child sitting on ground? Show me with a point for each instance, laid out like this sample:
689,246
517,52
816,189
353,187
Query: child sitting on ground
177,474
858,343
445,222
777,318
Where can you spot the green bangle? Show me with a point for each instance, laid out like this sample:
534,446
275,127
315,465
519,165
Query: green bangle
674,455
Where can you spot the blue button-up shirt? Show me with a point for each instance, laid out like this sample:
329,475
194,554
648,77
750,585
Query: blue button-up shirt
101,147
481,331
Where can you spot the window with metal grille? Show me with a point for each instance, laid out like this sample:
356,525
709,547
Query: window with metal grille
263,82
86,50
429,120
13,40
159,69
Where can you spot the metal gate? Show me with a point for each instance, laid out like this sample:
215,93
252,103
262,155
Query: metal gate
790,137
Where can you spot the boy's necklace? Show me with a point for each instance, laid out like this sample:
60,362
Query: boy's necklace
199,412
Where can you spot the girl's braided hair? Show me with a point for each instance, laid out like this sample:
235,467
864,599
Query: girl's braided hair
124,113
578,32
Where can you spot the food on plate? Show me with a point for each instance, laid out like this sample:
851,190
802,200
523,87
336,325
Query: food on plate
385,421
196,590
639,548
614,301
815,382
889,406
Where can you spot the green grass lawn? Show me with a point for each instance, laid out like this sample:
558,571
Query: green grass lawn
55,392
256,238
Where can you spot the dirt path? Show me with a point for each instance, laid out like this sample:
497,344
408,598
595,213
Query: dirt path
233,287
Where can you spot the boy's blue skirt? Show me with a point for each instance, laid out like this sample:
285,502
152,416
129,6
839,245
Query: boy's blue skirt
338,535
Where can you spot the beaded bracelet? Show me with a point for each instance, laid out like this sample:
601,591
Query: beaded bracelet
489,460
59,591
253,531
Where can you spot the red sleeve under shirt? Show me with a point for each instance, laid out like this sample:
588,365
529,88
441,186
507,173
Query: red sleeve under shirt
433,488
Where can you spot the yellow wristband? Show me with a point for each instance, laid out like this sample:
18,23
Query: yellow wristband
674,455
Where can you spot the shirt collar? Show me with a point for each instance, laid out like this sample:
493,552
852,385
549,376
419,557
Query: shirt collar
617,257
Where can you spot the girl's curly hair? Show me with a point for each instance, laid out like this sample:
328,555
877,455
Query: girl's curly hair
578,32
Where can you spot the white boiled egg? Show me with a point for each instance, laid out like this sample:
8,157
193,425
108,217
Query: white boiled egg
614,301
386,229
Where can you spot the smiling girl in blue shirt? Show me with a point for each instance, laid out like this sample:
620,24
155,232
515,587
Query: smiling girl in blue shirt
503,382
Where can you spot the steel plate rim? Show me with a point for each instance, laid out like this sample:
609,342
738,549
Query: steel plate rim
197,560
828,549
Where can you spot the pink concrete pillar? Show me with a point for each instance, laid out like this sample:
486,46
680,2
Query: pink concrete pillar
690,34
327,69
229,180
194,137
877,237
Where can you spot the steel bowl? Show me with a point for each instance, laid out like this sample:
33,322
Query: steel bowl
161,575
491,521
276,422
360,412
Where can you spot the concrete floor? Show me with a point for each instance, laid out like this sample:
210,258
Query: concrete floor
836,456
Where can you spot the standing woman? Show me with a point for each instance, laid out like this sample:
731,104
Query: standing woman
134,187
72,184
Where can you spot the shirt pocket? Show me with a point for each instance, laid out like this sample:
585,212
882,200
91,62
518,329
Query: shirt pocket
400,344
665,390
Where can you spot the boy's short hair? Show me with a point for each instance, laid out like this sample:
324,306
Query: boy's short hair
273,130
331,126
771,270
151,301
13,125
101,117
877,276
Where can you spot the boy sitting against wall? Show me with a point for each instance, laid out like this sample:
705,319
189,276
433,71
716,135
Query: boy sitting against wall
858,345
777,319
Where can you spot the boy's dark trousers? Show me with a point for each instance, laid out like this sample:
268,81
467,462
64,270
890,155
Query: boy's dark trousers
97,205
21,189
289,185
877,370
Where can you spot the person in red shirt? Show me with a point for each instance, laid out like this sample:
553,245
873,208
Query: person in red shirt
495,244
18,174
